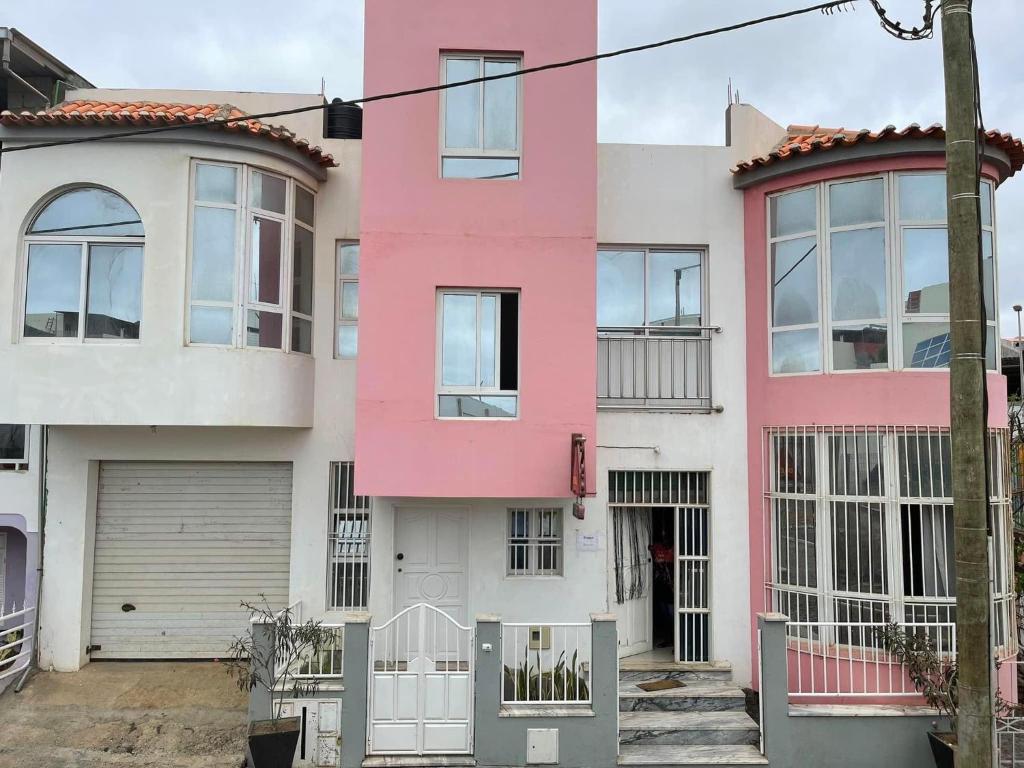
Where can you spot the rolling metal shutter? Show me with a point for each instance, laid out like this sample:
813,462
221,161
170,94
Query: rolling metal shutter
178,547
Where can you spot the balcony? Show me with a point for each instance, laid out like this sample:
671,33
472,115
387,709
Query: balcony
655,368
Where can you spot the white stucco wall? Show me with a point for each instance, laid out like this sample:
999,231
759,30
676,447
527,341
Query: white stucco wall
19,489
683,196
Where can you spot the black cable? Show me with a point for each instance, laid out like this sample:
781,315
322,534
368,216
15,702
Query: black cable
826,8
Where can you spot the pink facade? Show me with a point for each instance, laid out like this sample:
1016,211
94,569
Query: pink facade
854,398
421,233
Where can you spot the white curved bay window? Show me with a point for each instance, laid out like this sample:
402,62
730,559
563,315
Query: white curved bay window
252,241
859,277
83,261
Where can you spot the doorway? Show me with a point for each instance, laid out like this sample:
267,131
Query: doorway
431,560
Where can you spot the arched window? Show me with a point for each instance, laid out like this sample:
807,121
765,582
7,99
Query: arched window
84,258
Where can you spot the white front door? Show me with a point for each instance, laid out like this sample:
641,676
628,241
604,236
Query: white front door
431,560
631,578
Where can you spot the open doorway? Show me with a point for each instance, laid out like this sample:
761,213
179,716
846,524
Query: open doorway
662,554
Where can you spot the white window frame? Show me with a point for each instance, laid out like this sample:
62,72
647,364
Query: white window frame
893,226
289,287
479,152
20,464
341,279
535,543
647,251
84,242
476,391
244,216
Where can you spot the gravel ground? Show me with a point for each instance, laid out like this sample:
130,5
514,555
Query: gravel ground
168,714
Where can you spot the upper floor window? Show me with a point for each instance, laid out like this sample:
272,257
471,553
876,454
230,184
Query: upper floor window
13,446
84,259
252,235
650,287
478,354
480,131
859,275
346,342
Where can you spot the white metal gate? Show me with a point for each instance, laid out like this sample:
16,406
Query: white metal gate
421,684
693,609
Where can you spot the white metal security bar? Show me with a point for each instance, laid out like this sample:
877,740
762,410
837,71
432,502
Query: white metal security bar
849,659
692,574
348,587
17,640
654,368
326,662
546,663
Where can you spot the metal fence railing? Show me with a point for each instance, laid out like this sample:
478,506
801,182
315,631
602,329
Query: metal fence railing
324,663
655,367
546,663
17,641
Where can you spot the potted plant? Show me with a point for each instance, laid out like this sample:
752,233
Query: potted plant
266,660
935,678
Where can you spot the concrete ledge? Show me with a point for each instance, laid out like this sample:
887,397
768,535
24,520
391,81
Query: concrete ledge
545,710
356,617
860,710
488,618
602,617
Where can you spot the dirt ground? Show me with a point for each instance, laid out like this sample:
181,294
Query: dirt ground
167,714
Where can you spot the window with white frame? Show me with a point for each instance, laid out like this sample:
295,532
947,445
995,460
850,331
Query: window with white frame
346,343
534,542
84,260
652,287
862,529
859,278
478,354
13,447
348,548
252,235
480,122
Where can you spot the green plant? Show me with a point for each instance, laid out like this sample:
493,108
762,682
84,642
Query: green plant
934,677
563,682
7,654
270,667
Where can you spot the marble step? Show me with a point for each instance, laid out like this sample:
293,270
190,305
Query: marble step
419,761
688,728
692,697
643,670
693,756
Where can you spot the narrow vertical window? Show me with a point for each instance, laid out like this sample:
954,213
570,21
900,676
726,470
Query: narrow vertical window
302,272
795,317
348,550
480,130
347,300
478,354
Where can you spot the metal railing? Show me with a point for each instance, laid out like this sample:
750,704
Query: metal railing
546,663
655,367
849,659
17,640
326,662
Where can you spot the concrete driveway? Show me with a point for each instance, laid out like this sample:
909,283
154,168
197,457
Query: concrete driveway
168,714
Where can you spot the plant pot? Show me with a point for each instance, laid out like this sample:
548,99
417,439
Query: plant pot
272,742
943,749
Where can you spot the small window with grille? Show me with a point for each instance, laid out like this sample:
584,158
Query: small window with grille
348,553
535,542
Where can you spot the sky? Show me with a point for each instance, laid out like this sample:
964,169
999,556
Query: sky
841,70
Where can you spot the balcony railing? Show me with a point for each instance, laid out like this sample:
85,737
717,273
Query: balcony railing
655,368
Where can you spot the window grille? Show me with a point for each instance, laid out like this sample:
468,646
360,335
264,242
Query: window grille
861,522
348,541
651,487
535,542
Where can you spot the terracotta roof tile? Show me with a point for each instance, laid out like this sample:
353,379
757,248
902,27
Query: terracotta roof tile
145,113
805,139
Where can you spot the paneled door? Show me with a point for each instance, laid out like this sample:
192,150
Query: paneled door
431,560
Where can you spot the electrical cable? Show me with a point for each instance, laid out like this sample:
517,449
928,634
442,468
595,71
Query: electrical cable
826,8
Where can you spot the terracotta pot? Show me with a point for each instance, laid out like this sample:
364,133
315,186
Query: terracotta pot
943,749
272,742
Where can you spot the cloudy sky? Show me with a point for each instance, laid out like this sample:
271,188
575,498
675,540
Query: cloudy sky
840,70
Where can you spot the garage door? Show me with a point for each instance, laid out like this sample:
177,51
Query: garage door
178,547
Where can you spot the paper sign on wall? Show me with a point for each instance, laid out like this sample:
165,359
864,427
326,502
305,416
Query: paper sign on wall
588,542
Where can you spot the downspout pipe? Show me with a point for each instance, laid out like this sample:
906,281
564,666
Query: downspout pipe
44,437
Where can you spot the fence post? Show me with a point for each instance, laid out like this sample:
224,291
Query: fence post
261,703
355,699
489,679
774,677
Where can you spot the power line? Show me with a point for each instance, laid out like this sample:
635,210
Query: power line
828,8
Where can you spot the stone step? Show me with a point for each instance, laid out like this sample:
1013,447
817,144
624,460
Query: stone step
649,755
688,728
643,670
691,697
419,761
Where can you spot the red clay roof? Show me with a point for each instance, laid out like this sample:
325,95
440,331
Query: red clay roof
805,139
140,114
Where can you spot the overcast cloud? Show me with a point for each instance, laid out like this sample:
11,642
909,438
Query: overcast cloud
841,70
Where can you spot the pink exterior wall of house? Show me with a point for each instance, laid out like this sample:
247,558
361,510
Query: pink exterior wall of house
858,398
420,232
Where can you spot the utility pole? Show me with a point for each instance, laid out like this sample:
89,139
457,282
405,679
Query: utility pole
967,381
